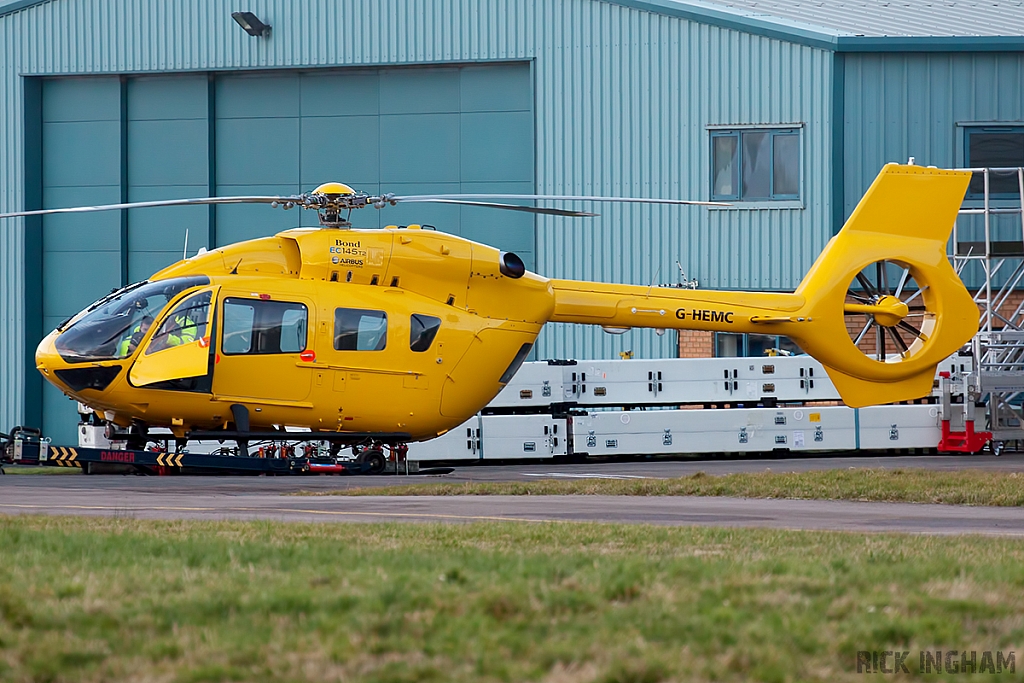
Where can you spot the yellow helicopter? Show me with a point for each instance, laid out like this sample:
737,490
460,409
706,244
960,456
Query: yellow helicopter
399,334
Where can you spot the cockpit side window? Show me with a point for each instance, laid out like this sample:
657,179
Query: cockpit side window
187,323
104,330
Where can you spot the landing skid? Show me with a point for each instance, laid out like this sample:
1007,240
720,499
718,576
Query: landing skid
284,453
296,437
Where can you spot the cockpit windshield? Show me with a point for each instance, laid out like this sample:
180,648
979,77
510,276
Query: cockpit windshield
112,327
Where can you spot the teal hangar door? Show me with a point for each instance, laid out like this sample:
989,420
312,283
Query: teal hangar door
81,165
107,140
406,130
168,157
403,130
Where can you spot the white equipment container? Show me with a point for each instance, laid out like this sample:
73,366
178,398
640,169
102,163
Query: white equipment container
769,380
462,443
956,365
887,427
712,380
738,382
535,384
750,430
523,436
497,437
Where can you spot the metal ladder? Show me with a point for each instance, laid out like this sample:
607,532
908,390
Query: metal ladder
997,380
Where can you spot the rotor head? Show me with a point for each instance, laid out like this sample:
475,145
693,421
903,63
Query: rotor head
331,199
333,189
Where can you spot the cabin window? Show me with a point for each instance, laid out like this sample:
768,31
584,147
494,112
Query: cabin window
422,330
756,164
184,325
994,147
263,327
357,329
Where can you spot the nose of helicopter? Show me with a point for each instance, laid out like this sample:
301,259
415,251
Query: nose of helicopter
47,357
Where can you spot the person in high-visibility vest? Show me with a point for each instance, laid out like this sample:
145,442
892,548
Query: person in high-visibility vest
177,330
127,346
186,329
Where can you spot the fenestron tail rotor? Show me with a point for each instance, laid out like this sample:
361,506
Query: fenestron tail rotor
886,312
883,304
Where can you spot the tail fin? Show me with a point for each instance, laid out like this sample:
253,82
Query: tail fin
906,303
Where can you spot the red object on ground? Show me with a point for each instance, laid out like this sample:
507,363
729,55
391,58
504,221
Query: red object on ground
318,468
968,441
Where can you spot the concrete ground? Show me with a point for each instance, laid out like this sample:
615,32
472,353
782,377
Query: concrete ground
262,498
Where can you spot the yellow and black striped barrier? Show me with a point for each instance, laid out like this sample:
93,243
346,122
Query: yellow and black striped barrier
36,452
170,459
64,456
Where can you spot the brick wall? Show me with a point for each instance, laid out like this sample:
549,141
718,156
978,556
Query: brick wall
696,344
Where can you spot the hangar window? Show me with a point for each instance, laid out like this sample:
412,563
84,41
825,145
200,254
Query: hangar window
261,327
994,147
755,164
733,345
356,329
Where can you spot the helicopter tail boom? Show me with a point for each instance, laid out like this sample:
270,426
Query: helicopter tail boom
880,307
626,306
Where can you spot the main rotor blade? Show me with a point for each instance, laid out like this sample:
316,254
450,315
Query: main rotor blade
146,205
564,198
304,200
493,205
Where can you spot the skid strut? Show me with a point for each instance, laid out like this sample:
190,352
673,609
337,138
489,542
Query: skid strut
280,458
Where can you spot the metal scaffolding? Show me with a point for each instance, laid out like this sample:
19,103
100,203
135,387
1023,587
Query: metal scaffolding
991,262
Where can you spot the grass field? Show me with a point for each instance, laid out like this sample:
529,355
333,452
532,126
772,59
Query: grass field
22,469
125,600
965,487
